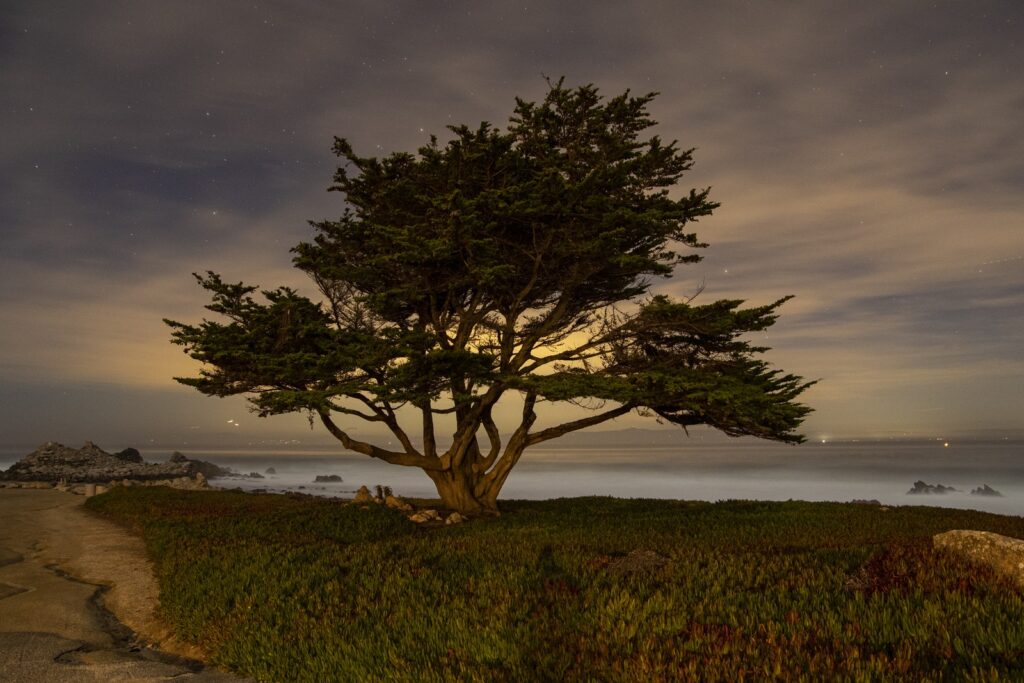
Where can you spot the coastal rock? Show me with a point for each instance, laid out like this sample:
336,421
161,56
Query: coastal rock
129,455
363,496
254,475
270,470
397,503
58,464
327,479
922,488
1003,553
986,490
207,469
178,456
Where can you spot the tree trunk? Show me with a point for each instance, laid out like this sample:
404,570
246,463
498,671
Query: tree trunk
458,491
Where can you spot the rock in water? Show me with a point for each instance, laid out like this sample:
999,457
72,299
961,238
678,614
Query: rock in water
922,488
1003,553
327,478
270,470
986,490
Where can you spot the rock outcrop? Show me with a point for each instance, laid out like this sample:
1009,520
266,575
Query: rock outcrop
327,478
922,488
207,469
1003,553
986,490
129,455
54,462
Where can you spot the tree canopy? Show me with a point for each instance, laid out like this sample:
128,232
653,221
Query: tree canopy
501,263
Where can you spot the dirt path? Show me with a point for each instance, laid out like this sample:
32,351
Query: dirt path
76,599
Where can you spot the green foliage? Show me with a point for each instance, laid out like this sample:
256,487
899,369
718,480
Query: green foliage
501,262
310,590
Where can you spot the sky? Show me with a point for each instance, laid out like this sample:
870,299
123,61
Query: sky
868,158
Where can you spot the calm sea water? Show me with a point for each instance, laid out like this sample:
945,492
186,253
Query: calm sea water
839,471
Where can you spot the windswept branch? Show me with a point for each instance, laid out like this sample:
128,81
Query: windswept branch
565,428
392,457
494,436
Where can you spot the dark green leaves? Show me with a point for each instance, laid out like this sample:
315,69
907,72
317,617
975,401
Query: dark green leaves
503,260
569,202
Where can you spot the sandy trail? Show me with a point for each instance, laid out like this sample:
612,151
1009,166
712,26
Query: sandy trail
77,595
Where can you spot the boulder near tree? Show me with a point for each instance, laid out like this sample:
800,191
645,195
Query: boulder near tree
503,264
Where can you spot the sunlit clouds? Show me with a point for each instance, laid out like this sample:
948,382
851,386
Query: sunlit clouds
869,160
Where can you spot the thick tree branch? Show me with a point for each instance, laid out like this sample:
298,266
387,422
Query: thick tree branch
494,436
392,457
514,449
469,423
429,440
355,413
555,432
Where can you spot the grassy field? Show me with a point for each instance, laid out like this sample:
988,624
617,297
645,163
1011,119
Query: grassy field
286,589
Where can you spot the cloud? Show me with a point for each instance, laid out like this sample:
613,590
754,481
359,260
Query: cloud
868,159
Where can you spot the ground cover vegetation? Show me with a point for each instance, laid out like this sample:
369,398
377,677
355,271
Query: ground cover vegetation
299,589
512,264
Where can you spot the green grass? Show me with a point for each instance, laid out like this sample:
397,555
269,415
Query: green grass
286,589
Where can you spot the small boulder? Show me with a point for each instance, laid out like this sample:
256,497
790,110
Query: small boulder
986,490
1003,553
397,503
455,518
425,516
363,496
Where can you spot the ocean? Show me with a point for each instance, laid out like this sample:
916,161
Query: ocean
745,469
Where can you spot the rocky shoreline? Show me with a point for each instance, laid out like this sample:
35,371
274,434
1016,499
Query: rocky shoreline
90,469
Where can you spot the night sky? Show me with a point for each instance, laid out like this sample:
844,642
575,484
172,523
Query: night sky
869,159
